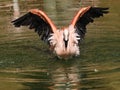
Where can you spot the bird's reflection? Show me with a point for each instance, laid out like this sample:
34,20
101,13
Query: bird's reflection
73,76
65,78
62,75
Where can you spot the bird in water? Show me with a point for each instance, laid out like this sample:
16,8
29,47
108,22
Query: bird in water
63,42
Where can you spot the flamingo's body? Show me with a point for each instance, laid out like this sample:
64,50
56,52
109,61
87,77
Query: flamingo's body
63,42
62,47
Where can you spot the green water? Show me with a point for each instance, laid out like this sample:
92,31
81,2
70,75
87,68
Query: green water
27,64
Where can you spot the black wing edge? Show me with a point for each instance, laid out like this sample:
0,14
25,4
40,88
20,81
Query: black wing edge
23,20
98,11
93,12
34,22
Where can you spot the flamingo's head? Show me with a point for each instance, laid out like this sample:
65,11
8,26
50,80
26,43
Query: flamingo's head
66,36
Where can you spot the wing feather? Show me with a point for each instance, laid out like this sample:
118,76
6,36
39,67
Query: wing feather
85,16
37,20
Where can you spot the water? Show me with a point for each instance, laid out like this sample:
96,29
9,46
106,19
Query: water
27,64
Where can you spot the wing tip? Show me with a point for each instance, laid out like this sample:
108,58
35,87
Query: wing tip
80,13
104,9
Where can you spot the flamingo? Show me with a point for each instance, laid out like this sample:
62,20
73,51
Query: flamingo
63,42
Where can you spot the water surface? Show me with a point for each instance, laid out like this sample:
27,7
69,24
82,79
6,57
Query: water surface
27,64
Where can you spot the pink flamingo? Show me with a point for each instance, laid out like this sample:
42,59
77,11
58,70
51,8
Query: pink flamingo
63,42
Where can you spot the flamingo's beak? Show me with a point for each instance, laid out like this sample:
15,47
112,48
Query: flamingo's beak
66,43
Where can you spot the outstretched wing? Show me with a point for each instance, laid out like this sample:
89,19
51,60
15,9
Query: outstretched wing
37,20
85,16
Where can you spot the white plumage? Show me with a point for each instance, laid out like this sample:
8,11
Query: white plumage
57,40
